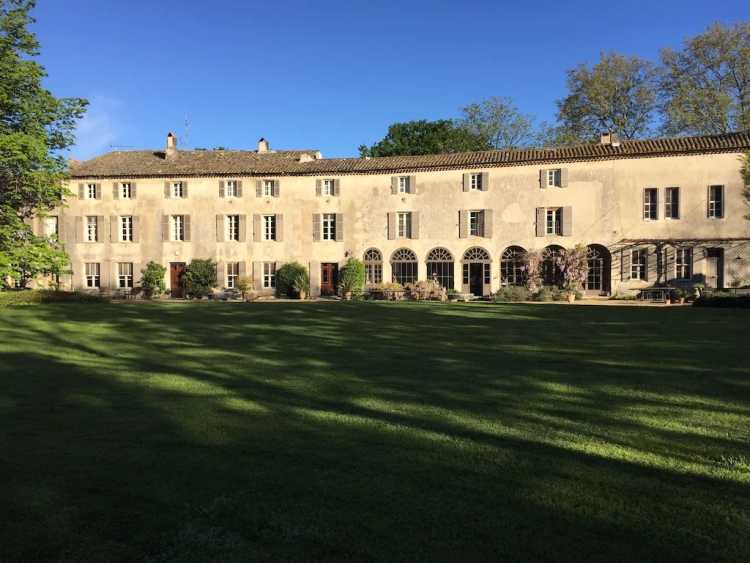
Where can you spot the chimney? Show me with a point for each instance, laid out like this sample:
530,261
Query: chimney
262,145
605,138
171,146
610,138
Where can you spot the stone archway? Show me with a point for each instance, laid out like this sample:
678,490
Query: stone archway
600,269
476,272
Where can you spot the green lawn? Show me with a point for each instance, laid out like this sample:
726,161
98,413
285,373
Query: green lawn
372,431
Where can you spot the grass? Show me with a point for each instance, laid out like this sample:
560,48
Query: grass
170,432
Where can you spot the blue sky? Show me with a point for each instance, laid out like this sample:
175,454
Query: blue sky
327,74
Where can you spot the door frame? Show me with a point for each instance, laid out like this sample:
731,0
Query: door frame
333,269
176,267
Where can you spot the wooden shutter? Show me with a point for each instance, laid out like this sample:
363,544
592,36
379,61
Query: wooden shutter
487,222
61,228
167,189
392,218
79,229
116,190
243,228
279,227
105,270
315,279
670,271
415,224
339,227
136,273
186,228
650,265
567,221
564,178
463,223
113,220
136,229
184,188
467,181
219,228
625,265
221,188
132,192
337,188
100,228
81,191
394,185
98,191
238,189
276,188
543,179
256,228
165,228
258,275
316,227
485,181
318,188
221,273
258,188
541,221
412,185
242,270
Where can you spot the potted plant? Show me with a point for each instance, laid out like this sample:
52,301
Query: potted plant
573,264
453,294
301,284
347,286
682,294
698,289
352,279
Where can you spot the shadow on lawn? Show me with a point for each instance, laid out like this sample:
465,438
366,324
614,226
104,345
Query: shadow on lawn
380,432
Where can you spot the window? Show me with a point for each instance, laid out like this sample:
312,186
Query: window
92,229
403,185
92,274
554,177
554,226
638,261
404,266
650,210
328,187
672,203
269,227
716,202
91,191
177,189
329,226
126,228
126,190
684,263
476,223
475,182
124,274
51,226
231,190
233,228
403,225
269,274
512,266
373,266
178,227
550,271
440,266
233,272
268,188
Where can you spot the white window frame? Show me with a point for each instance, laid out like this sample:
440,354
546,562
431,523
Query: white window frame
230,189
233,272
403,225
403,184
638,264
269,227
328,226
554,222
476,182
476,223
650,204
232,223
51,225
126,190
177,227
93,270
715,205
177,189
126,228
124,275
683,263
92,228
671,207
328,188
554,177
267,188
269,275
91,191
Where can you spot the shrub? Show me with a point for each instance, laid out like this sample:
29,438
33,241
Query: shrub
243,285
559,294
545,294
722,300
392,291
453,292
301,283
623,297
199,278
286,276
423,290
152,280
36,296
512,293
352,278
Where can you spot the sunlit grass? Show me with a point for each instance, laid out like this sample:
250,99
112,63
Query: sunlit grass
373,432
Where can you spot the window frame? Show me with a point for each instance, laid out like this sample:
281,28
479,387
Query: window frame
671,203
232,228
90,191
177,228
328,226
232,273
268,270
403,184
683,262
267,188
230,188
92,228
328,188
268,226
126,190
92,274
476,223
403,224
556,223
713,212
641,262
53,220
650,204
125,275
475,182
177,189
554,177
126,228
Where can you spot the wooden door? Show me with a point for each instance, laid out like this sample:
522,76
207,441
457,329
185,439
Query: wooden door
328,278
712,273
176,270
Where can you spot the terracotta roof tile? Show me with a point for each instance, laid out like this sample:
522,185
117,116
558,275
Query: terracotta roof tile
144,164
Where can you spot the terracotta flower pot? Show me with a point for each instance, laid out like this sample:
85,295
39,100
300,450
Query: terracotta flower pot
302,295
667,301
348,295
681,300
571,297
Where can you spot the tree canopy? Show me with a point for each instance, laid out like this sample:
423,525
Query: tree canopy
498,123
35,127
423,137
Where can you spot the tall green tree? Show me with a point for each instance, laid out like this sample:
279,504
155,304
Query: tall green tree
423,137
705,87
35,127
498,124
618,94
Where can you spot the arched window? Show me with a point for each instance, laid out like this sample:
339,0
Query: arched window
440,267
551,273
373,267
600,265
404,266
476,254
511,266
477,274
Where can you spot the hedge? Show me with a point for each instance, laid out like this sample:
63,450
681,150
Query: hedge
26,297
722,300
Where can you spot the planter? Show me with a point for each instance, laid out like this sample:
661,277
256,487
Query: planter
302,295
347,295
681,300
453,296
571,297
667,301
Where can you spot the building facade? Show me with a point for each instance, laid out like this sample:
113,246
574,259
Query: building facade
665,210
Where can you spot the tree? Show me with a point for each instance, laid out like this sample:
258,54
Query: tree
423,137
199,278
152,280
287,275
352,278
619,95
705,87
35,127
498,124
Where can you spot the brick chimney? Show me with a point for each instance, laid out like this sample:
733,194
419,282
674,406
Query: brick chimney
171,146
262,145
610,138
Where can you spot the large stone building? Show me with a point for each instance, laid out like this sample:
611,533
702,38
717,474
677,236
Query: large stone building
664,210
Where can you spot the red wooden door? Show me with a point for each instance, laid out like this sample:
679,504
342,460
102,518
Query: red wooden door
176,270
328,278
